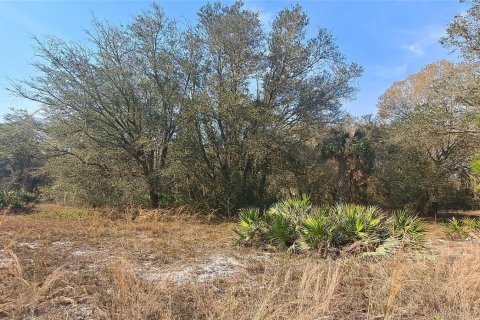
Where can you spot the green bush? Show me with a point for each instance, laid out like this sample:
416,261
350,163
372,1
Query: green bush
16,200
295,225
315,230
249,225
407,227
463,228
354,222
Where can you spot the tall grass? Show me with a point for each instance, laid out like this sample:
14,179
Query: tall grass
404,287
46,284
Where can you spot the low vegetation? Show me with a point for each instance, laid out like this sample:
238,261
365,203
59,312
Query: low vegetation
16,201
463,228
295,225
59,263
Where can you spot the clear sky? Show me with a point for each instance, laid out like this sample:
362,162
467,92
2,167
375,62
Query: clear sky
390,39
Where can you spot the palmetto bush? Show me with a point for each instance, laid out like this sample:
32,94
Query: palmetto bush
295,225
249,225
408,228
472,225
354,222
315,230
463,228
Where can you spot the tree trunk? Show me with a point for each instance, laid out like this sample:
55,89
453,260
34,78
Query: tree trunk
342,169
154,197
147,161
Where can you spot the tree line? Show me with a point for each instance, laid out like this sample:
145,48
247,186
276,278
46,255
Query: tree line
226,113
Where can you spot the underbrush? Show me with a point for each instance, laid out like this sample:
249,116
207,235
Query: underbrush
294,225
464,228
183,213
98,269
16,201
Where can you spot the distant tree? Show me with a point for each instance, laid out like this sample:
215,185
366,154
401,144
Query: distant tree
463,32
351,150
261,94
21,155
122,91
427,114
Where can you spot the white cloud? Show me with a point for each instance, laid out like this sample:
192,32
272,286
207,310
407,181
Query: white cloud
415,48
425,38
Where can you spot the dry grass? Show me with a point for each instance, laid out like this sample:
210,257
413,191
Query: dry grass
67,263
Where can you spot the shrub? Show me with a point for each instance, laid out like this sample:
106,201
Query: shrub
315,229
16,200
283,222
295,225
354,222
407,227
249,225
463,228
281,230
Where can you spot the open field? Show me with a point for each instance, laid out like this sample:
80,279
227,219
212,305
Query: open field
67,263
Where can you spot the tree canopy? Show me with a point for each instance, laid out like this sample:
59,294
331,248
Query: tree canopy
225,112
219,92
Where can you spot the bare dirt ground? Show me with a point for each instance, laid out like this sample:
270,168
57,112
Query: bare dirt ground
67,263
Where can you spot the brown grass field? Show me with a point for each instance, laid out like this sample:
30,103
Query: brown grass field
68,263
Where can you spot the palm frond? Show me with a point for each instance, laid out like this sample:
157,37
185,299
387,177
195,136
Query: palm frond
249,225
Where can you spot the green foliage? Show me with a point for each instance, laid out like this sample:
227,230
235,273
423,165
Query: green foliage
17,200
294,209
462,33
407,227
231,113
177,103
295,225
471,224
281,231
21,155
355,222
430,137
455,228
464,228
349,146
476,164
315,231
249,225
72,183
283,221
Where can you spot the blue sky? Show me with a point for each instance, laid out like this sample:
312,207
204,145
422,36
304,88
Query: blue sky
390,39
